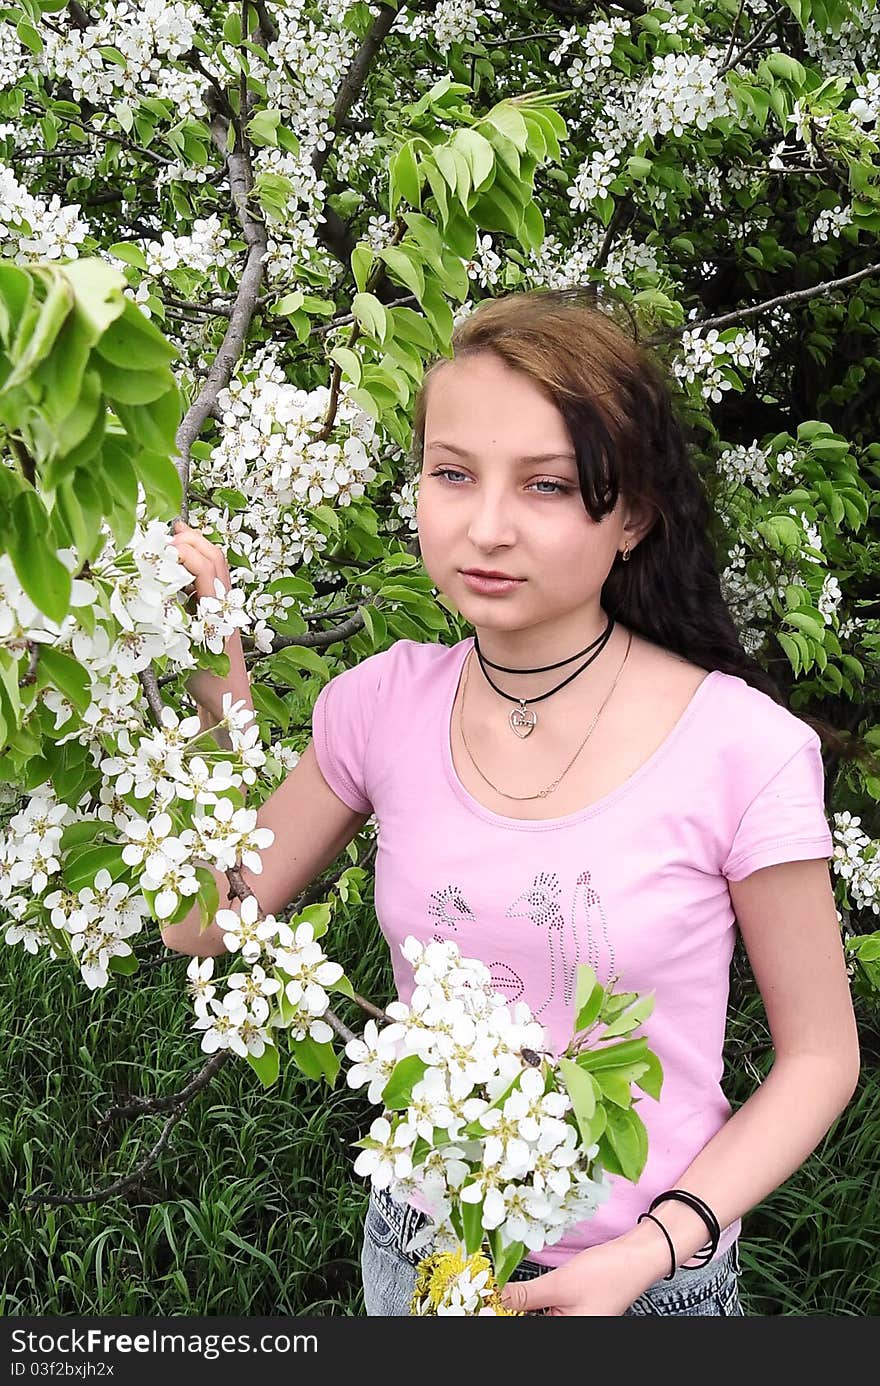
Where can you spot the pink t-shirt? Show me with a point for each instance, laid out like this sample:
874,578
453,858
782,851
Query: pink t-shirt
635,884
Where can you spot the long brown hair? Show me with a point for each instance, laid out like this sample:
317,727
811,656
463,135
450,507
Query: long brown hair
617,404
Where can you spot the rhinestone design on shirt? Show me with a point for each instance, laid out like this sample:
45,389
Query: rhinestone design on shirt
583,939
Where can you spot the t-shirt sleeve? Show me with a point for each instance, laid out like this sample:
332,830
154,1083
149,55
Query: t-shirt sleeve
785,821
342,720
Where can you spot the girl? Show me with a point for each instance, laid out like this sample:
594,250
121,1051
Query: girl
599,774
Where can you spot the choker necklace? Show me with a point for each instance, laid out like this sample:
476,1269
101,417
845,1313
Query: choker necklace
523,722
542,793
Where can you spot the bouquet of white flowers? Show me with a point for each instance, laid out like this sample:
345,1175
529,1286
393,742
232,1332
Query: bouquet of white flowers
504,1144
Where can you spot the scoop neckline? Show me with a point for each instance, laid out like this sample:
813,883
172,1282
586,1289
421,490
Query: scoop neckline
579,815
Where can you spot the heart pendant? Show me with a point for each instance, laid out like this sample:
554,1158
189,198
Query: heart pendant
523,721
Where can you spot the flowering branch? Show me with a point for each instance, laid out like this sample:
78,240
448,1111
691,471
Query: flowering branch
354,79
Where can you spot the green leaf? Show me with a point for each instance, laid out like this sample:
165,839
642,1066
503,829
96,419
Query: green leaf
810,625
134,387
83,865
439,314
505,1259
40,572
371,314
472,1223
411,326
267,1066
404,180
404,265
581,1088
59,376
153,425
161,482
271,706
232,29
343,985
263,127
506,118
615,1085
630,1018
438,188
791,650
479,154
349,361
531,233
588,998
83,418
53,311
651,1081
639,168
495,210
318,915
99,294
16,292
315,1060
613,1055
361,263
130,253
208,897
75,834
125,964
29,36
132,342
397,1093
67,674
289,304
622,1137
287,665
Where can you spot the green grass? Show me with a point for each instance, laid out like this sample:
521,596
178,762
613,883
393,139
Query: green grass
254,1208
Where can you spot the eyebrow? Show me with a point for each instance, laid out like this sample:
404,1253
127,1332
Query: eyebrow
533,458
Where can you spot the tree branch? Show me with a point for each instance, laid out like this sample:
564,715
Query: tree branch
753,41
354,79
742,314
139,1106
150,685
119,1185
243,309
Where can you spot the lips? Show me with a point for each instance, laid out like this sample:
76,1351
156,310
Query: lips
479,572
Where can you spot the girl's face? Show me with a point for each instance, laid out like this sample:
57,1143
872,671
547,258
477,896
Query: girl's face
498,508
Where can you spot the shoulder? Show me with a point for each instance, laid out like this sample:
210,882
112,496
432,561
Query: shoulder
398,666
751,739
739,723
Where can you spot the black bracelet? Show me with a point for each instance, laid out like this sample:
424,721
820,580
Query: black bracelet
668,1238
698,1205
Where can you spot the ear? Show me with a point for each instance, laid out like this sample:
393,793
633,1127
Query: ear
639,521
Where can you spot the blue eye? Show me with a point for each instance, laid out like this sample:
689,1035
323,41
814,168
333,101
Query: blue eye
560,489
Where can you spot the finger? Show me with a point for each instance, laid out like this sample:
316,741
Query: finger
202,568
523,1296
204,546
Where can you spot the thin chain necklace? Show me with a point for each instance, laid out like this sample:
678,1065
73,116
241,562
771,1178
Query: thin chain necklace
524,722
542,793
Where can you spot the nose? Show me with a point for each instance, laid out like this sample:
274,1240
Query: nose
490,525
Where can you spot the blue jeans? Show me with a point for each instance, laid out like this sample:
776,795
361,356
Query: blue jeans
389,1275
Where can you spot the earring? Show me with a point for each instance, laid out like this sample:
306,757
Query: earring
626,553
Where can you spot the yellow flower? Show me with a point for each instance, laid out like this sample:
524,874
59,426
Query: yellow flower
437,1275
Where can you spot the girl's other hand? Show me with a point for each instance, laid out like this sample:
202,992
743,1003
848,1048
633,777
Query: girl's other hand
207,563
